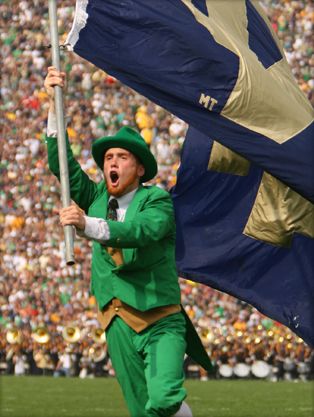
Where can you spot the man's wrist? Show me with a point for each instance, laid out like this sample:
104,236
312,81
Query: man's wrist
52,124
95,229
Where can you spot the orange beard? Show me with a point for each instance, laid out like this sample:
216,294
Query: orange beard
124,187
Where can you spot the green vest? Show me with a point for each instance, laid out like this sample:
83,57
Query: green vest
148,277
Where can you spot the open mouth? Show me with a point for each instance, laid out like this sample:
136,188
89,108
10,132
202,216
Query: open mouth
114,177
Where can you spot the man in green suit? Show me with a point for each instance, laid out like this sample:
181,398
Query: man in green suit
134,276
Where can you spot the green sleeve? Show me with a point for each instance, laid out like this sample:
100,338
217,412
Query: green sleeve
151,224
82,189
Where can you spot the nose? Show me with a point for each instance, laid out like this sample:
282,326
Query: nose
113,161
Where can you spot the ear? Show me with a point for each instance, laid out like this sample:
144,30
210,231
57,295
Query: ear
140,170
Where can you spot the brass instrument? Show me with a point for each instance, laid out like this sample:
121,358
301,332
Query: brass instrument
210,337
42,359
71,334
98,335
97,353
10,354
39,358
14,336
41,335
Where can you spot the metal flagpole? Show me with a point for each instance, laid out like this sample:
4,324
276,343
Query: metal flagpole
64,172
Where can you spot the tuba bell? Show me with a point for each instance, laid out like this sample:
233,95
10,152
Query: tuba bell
41,335
96,353
98,335
14,336
71,334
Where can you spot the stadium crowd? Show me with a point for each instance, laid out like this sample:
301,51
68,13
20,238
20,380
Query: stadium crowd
44,304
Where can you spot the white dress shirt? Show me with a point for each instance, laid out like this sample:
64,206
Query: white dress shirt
98,229
52,125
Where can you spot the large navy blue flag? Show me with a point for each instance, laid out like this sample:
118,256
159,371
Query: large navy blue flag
215,64
244,232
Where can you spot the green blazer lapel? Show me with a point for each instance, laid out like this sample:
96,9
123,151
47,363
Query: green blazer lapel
137,202
106,199
100,206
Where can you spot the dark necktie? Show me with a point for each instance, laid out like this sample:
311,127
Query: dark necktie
113,205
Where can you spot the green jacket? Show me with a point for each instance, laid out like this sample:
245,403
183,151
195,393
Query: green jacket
148,276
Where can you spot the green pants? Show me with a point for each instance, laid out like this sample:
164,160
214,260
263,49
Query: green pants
149,365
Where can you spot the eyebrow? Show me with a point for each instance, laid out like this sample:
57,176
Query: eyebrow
108,153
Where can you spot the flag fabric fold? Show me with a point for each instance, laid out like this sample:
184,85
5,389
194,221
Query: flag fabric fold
215,64
272,266
245,191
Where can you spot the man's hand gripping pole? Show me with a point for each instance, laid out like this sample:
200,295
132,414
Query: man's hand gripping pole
64,172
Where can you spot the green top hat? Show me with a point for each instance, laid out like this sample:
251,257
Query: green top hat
130,140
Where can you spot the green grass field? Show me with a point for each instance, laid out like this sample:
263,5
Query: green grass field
74,397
